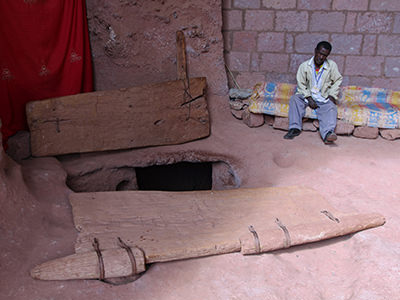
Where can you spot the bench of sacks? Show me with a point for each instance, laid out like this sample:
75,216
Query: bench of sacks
363,107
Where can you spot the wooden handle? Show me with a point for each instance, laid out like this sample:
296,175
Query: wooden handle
181,58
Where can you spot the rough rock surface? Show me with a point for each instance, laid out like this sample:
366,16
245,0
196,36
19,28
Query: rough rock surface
344,128
366,132
309,126
281,123
252,120
236,105
354,175
133,42
19,147
269,120
238,114
240,94
390,134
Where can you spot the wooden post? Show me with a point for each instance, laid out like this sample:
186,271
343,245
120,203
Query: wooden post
181,64
182,73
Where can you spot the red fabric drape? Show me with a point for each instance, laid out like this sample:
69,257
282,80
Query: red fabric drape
44,53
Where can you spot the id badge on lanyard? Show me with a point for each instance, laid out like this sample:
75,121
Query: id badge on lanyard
317,78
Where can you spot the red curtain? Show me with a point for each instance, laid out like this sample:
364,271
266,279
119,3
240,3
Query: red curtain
44,53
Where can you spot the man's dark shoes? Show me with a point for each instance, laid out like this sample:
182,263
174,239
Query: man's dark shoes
330,137
292,133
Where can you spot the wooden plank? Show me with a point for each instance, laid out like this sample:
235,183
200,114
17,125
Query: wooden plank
179,225
86,265
181,64
148,115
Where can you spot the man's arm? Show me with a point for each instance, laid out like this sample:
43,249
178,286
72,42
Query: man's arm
302,81
336,79
303,86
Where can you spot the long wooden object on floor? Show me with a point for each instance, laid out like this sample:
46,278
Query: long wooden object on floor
86,265
149,115
170,226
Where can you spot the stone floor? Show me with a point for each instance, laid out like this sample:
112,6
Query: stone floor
353,175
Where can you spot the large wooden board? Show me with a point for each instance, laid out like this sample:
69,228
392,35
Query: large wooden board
178,225
155,114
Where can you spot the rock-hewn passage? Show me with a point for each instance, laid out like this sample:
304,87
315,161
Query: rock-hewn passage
150,115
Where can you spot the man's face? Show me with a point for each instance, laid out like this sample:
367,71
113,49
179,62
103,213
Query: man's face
320,56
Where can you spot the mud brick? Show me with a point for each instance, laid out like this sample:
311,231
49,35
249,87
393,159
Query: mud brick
279,4
296,60
338,59
291,21
238,61
274,62
350,5
271,42
392,84
255,62
392,67
396,25
247,80
374,22
232,19
347,43
389,45
315,4
350,22
259,20
246,3
244,41
327,21
369,45
306,42
387,5
357,80
364,66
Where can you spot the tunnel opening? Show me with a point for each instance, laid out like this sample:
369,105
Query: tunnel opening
187,171
182,176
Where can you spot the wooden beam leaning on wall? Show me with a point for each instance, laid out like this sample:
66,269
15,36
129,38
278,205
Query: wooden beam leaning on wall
140,116
166,113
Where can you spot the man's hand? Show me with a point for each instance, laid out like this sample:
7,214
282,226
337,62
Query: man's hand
332,99
312,103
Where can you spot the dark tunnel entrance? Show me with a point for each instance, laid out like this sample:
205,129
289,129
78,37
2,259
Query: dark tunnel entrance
182,176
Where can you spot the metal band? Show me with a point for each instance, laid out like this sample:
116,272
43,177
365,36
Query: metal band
96,247
330,216
288,240
256,239
130,254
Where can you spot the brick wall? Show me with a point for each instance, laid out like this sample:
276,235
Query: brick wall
266,40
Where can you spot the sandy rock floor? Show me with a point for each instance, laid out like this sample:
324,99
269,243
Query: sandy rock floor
354,175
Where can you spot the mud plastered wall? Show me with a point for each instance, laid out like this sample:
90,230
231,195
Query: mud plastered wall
134,42
266,40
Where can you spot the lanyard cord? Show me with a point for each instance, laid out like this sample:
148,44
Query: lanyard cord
317,78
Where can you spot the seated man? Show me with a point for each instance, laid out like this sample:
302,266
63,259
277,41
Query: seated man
318,84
